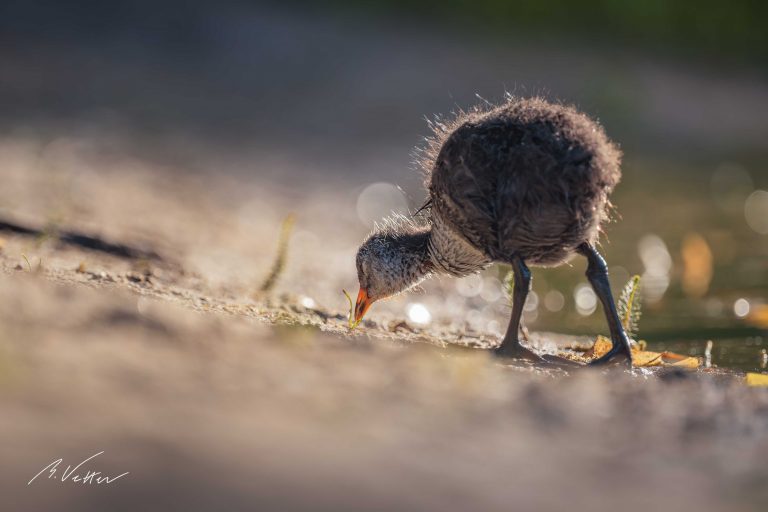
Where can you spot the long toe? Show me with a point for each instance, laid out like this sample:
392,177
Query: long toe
615,356
518,352
561,362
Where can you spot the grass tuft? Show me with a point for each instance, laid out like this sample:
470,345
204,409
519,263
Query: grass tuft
282,252
29,265
39,267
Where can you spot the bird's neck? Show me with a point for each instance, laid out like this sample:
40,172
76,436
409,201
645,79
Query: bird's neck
450,253
410,258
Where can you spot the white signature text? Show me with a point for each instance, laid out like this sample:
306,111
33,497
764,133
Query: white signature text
75,474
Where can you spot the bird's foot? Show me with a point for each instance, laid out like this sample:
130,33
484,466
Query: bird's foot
619,354
517,351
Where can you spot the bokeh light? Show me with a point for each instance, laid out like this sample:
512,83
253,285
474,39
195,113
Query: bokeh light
554,301
585,299
418,313
756,211
379,200
741,307
308,302
491,290
697,265
658,264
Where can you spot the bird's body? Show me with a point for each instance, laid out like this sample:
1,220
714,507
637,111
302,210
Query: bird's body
527,178
526,182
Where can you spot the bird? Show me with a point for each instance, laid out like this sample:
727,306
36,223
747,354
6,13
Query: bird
523,183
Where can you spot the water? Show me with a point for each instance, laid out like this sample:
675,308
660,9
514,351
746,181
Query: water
745,354
692,235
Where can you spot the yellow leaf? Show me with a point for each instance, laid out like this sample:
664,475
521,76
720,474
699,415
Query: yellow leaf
688,362
601,347
644,358
757,380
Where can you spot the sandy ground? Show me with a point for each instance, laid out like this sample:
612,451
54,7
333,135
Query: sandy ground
214,397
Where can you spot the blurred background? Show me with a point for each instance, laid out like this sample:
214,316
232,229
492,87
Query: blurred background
267,108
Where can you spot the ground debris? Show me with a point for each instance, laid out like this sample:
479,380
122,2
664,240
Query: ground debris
641,358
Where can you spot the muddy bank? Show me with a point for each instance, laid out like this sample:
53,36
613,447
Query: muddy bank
212,395
205,408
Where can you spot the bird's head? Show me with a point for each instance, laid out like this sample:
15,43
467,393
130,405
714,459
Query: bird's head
389,261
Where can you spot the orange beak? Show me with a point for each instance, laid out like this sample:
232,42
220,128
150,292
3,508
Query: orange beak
362,305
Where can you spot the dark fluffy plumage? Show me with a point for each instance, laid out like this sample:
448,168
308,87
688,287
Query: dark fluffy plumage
526,182
528,177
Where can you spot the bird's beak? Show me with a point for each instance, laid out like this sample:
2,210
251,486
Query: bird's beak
362,305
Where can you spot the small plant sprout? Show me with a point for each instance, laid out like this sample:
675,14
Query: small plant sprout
352,322
39,267
282,252
29,265
629,306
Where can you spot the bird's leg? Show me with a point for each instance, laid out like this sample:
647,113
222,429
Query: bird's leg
597,273
510,346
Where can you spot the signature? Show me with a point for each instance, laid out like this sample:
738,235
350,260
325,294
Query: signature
75,474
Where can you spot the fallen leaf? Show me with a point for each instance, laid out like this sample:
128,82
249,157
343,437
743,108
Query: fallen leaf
645,358
601,347
758,380
688,362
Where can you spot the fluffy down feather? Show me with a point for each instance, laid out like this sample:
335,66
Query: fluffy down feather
526,177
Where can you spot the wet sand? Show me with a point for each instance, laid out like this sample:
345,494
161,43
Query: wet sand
213,396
